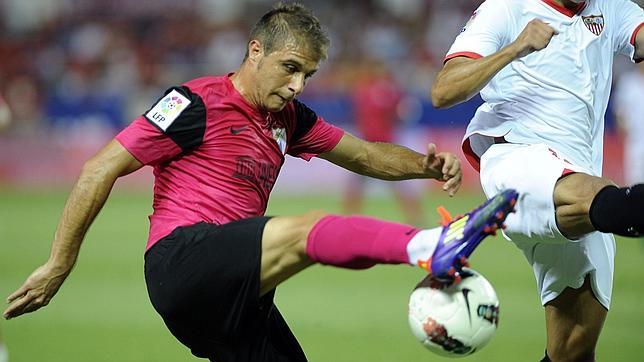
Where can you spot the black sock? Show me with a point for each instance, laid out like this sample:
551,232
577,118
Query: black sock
619,210
590,358
546,358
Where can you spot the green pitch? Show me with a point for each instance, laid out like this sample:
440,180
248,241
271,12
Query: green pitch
102,312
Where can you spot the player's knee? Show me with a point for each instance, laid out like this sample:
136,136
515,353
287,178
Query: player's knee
312,217
593,188
575,194
305,224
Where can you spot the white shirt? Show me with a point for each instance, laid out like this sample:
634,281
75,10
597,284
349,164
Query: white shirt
557,96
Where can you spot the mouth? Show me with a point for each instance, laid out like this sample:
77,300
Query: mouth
286,100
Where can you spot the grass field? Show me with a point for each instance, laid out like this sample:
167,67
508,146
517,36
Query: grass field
102,312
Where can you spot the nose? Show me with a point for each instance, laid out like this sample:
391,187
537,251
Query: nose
296,85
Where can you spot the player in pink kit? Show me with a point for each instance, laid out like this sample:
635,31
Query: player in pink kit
217,143
544,69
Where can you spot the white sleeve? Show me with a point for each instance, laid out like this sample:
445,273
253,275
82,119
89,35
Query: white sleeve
628,21
485,33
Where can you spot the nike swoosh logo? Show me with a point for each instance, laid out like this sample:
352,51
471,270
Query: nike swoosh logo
237,130
466,292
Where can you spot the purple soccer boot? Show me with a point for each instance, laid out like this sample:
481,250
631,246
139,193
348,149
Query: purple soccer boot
462,235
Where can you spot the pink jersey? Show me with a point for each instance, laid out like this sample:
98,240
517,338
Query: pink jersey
215,157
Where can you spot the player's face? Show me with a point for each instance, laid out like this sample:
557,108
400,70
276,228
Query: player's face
282,75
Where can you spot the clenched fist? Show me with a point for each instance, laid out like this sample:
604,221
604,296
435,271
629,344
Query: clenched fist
534,37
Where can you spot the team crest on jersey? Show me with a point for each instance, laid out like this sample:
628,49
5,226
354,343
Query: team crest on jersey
279,135
167,109
594,23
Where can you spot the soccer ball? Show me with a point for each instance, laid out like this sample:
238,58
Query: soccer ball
457,320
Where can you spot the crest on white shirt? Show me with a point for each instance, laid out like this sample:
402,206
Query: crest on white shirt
594,23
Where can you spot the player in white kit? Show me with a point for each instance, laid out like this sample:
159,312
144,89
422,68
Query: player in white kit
544,69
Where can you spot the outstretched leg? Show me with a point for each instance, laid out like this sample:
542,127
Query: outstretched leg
290,244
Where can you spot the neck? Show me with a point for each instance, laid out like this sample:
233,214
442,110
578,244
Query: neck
243,82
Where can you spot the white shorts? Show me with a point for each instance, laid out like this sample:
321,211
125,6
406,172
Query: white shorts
557,262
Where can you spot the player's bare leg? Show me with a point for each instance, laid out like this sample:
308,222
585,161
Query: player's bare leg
291,244
573,196
585,203
574,319
573,322
284,248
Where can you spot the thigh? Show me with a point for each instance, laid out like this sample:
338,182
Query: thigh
269,341
204,281
284,248
533,170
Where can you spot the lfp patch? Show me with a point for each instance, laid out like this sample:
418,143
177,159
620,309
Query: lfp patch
167,109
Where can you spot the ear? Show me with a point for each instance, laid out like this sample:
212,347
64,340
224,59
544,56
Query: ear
255,51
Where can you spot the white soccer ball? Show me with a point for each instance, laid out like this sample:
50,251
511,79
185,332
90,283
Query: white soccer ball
454,321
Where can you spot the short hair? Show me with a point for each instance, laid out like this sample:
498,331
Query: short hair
291,22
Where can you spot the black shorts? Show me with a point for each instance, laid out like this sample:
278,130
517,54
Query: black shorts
204,281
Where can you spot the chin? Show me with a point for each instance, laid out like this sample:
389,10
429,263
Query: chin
276,107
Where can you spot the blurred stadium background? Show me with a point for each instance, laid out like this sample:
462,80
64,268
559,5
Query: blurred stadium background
74,72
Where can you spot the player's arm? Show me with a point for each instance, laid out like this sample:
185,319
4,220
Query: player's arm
393,162
461,78
85,201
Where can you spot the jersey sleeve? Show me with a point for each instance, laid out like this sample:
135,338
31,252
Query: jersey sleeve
176,123
484,34
629,21
312,135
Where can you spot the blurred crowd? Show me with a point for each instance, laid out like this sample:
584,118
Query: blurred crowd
91,66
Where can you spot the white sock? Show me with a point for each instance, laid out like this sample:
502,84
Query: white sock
4,355
421,247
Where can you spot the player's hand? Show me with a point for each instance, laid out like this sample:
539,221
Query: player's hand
534,37
446,167
36,292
